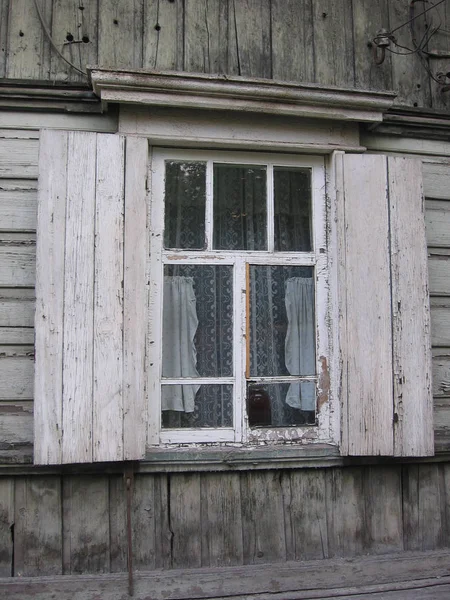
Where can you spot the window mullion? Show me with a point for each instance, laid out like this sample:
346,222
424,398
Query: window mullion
239,356
270,209
209,219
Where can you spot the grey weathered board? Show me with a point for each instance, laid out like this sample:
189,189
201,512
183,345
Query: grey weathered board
312,41
74,524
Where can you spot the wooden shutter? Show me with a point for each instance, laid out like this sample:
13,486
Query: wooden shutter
90,298
384,308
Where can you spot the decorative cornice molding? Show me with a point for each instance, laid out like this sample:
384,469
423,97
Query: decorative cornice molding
414,123
230,93
23,95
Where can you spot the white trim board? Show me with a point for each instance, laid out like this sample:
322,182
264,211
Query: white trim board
199,128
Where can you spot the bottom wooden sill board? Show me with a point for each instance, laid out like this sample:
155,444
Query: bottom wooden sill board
405,576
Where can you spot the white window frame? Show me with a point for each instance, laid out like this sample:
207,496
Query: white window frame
240,433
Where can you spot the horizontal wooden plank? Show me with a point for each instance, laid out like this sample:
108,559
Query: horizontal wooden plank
439,273
17,307
436,180
106,123
391,577
16,424
17,335
17,265
18,158
440,321
437,220
441,372
442,414
18,204
16,377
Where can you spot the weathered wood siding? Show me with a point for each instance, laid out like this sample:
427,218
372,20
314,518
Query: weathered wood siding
319,41
18,192
52,524
437,215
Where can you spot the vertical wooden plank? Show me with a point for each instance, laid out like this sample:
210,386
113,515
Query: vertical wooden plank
345,512
440,42
423,500
38,527
108,300
120,34
383,514
163,530
163,35
6,526
4,10
49,297
409,78
118,542
292,39
222,524
309,514
135,298
413,400
333,43
143,522
368,18
446,507
28,54
263,527
86,547
145,515
72,18
206,39
367,307
186,520
78,299
252,27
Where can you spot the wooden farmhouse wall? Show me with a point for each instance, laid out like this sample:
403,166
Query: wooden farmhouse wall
320,41
70,521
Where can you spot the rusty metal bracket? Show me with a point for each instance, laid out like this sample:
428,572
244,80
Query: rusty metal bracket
129,481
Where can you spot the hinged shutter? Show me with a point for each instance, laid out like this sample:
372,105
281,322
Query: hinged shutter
90,298
384,308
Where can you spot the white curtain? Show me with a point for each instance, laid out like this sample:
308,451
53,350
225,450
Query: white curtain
300,345
179,354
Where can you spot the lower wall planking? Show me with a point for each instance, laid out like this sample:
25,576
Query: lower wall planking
74,524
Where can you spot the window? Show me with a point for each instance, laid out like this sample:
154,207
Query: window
237,297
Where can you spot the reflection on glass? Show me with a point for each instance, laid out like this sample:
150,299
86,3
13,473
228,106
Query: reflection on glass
240,207
292,208
267,406
212,406
185,199
198,321
282,324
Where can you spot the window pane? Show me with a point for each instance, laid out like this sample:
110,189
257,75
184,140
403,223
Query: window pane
281,404
240,207
282,322
198,321
292,207
197,406
185,198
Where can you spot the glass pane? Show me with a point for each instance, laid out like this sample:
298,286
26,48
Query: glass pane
282,322
292,207
281,404
197,406
198,321
240,207
185,198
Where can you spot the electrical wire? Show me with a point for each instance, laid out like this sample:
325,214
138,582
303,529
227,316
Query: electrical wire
50,39
417,16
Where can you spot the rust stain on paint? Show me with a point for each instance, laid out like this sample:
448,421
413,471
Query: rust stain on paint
324,383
